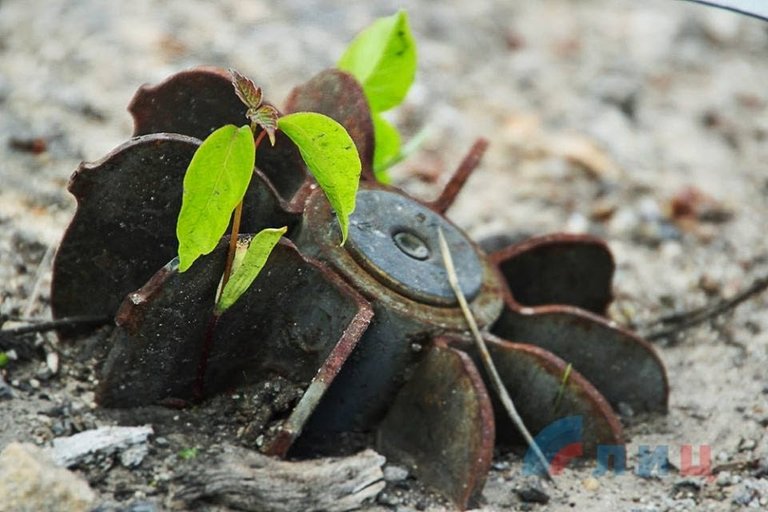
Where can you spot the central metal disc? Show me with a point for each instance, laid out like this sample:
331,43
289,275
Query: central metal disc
396,240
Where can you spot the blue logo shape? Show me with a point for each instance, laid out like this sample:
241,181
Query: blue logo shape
560,442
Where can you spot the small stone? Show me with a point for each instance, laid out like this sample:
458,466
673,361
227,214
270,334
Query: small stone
34,383
501,465
6,392
747,445
30,482
100,443
394,473
591,484
52,362
389,498
132,456
532,493
724,479
745,495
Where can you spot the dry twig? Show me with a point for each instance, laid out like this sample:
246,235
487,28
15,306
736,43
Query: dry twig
485,356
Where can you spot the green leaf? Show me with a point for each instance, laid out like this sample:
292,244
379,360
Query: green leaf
188,453
4,359
383,59
215,183
249,261
387,147
331,156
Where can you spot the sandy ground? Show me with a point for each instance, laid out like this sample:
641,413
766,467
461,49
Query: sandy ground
599,115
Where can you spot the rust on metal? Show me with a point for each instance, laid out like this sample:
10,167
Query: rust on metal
576,270
370,330
460,177
441,425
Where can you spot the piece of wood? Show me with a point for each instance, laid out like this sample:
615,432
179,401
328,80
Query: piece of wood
247,480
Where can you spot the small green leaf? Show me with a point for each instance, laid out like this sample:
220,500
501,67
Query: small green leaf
188,453
383,59
387,147
4,359
246,90
265,117
248,263
215,183
331,156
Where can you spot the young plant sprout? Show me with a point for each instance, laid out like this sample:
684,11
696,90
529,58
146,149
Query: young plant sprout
220,172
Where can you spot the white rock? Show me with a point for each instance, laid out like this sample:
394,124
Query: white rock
101,443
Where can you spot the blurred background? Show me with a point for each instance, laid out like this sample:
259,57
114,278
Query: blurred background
643,122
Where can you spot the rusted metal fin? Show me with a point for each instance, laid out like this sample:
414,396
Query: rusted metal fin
544,390
623,367
124,229
339,96
194,102
575,270
125,225
441,426
163,328
460,177
198,101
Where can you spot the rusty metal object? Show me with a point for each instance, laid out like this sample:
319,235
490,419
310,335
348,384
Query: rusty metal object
441,424
371,330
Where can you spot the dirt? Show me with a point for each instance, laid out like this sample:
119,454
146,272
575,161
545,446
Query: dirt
645,123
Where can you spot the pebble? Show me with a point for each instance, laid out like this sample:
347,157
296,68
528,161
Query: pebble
31,482
389,498
532,493
501,465
394,473
747,445
724,479
591,483
6,392
102,443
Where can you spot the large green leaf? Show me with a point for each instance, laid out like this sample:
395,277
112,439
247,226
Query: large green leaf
331,156
248,263
215,183
383,58
387,147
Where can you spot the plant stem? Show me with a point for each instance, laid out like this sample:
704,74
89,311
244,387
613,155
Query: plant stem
485,356
236,216
205,353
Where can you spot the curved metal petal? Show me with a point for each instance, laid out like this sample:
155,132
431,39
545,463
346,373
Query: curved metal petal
576,270
194,102
339,96
125,225
198,101
164,329
535,381
124,228
623,367
441,426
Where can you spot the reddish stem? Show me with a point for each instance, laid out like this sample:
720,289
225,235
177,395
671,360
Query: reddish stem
205,351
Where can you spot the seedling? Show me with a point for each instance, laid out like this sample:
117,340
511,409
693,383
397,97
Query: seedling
383,59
